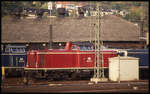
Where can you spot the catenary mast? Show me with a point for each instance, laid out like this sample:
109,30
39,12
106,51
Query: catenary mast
98,64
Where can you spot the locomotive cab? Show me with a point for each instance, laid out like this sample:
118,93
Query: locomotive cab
14,59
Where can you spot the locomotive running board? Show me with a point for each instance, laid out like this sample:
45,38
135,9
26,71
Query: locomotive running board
60,68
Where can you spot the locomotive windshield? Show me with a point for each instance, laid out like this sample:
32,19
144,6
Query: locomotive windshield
15,49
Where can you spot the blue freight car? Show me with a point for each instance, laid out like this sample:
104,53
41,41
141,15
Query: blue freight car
14,59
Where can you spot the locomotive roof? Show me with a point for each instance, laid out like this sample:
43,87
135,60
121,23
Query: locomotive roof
68,29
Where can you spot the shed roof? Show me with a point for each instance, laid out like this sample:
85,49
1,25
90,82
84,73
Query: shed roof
113,28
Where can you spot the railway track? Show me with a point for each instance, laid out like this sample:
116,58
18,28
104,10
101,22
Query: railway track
68,89
79,86
19,81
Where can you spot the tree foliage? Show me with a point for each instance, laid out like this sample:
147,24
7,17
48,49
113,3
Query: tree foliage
135,13
9,7
36,4
44,6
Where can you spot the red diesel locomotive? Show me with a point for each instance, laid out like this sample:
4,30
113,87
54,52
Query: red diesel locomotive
74,60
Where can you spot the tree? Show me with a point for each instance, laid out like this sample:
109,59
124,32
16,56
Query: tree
10,7
36,4
136,13
145,15
44,6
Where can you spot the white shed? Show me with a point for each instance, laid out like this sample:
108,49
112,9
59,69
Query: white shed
123,68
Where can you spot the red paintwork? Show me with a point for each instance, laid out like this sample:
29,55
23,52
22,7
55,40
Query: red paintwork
66,58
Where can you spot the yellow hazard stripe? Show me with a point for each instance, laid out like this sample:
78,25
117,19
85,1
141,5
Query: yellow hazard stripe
3,70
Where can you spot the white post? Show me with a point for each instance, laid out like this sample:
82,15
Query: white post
119,68
50,7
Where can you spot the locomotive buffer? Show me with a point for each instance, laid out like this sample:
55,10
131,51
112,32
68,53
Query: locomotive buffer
98,63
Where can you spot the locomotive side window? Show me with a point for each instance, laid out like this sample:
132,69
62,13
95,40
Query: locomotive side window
14,49
7,50
74,47
21,50
89,48
85,48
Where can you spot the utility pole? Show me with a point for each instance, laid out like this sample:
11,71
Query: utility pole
50,36
98,64
90,23
50,5
142,26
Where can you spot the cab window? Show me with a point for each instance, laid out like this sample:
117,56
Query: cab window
17,50
74,47
14,49
85,48
7,50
